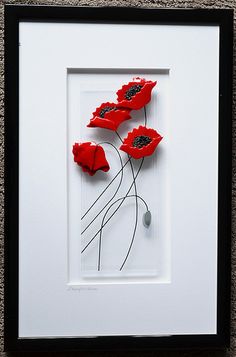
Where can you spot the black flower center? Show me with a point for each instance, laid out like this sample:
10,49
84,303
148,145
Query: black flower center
105,110
132,91
141,141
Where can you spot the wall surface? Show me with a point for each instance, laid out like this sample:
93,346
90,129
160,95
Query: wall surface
230,4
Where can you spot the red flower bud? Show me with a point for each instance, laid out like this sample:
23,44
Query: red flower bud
91,157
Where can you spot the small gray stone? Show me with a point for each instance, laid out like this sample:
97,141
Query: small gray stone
147,217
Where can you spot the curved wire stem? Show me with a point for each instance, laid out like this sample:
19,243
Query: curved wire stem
136,217
119,136
121,198
136,220
127,193
145,115
136,205
100,234
118,187
116,175
136,209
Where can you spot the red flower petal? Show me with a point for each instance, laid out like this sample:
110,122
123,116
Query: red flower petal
91,157
138,99
141,142
109,116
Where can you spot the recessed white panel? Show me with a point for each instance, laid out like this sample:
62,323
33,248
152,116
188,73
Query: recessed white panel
149,257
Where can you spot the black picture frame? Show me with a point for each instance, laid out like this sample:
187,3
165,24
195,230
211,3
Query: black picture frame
15,14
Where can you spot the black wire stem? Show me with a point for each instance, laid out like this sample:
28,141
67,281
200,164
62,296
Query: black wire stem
145,116
118,187
119,199
95,235
136,214
135,226
136,218
136,206
117,174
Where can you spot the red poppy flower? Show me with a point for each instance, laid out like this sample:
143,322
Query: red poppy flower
91,157
135,94
141,142
109,116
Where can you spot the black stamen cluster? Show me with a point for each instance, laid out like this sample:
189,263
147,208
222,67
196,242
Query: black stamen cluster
132,91
141,141
105,110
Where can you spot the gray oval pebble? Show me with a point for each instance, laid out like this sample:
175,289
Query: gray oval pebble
147,217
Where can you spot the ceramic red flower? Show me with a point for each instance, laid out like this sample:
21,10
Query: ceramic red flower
141,142
91,157
135,94
109,116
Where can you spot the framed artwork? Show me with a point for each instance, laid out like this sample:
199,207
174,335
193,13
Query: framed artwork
117,177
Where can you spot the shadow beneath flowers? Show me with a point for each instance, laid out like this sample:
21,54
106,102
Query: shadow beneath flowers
150,161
